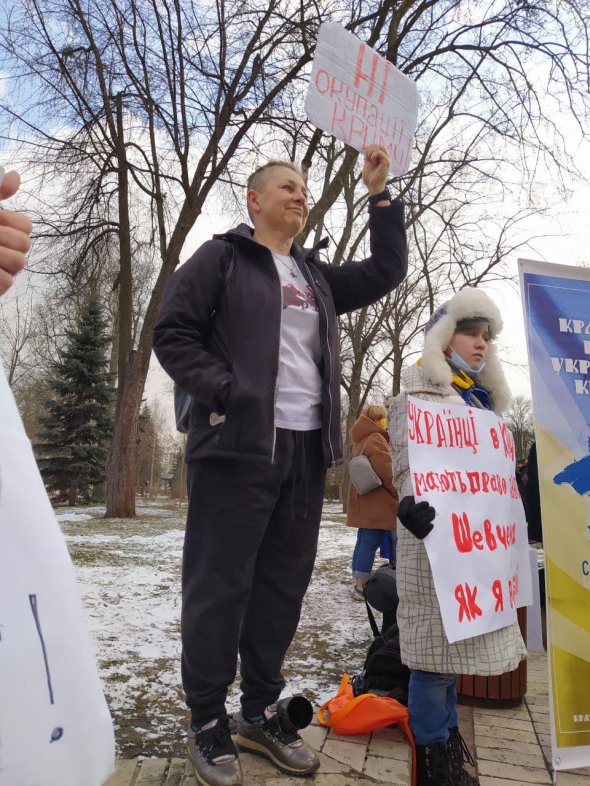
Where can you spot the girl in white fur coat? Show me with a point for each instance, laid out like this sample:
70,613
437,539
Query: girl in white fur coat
458,365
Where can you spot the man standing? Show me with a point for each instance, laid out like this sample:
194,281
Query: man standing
248,328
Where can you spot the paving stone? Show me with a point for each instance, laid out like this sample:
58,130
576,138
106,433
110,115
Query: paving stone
523,735
314,736
337,780
328,765
346,752
499,743
544,740
503,724
542,727
573,779
512,771
537,692
390,771
535,705
123,773
539,715
390,743
497,712
175,772
532,758
151,772
546,752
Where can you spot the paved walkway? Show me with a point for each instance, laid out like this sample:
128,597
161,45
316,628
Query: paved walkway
511,746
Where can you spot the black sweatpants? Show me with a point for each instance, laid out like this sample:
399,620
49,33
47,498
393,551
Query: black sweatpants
249,550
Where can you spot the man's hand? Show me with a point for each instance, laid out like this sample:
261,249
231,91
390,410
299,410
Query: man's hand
376,168
15,231
416,516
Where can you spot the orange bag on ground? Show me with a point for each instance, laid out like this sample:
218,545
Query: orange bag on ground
350,714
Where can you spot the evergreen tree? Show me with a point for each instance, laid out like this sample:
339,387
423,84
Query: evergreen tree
76,431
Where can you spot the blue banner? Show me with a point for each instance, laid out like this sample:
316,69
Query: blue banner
556,301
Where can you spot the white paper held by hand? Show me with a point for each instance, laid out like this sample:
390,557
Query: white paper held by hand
55,727
360,97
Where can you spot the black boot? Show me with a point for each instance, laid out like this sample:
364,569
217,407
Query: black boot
459,755
433,766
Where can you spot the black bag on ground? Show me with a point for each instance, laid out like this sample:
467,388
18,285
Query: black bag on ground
383,671
381,589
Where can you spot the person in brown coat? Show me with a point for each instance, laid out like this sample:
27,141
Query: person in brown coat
374,513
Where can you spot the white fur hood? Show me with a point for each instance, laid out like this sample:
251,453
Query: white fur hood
466,304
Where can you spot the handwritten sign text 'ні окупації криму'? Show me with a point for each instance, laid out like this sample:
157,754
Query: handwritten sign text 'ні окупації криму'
360,97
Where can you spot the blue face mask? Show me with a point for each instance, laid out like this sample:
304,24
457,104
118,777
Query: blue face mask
457,361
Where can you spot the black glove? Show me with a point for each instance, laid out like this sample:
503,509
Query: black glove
416,516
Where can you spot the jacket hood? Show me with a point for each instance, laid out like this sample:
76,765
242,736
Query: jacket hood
245,232
466,304
363,427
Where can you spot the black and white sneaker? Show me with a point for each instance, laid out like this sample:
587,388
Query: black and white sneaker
213,754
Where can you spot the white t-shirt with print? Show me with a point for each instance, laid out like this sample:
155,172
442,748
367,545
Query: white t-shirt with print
298,403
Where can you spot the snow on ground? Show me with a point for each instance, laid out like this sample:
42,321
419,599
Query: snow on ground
73,516
129,577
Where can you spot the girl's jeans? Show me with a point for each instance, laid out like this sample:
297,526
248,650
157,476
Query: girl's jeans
367,543
432,701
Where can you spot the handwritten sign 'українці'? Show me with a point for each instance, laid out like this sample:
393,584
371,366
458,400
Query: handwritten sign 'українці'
360,97
462,462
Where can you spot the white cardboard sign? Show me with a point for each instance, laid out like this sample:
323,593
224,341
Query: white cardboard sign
462,462
55,727
360,97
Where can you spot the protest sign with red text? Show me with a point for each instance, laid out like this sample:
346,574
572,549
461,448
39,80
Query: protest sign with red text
360,97
462,462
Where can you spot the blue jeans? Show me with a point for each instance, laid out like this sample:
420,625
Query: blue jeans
432,701
367,543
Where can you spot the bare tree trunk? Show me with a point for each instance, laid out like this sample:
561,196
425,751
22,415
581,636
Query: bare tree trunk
121,462
121,470
125,309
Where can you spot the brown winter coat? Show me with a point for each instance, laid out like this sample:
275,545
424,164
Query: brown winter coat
376,509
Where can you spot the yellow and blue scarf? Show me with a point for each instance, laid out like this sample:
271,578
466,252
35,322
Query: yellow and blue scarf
469,391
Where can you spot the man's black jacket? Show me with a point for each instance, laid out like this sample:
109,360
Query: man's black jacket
214,335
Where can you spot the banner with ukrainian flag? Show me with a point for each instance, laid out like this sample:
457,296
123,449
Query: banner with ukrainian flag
556,300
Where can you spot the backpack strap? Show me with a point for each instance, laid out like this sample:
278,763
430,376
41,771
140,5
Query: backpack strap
372,623
362,453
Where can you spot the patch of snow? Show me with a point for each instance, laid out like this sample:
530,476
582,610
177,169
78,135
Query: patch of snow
129,576
73,516
158,512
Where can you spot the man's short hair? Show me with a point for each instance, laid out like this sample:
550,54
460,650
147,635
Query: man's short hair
258,178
